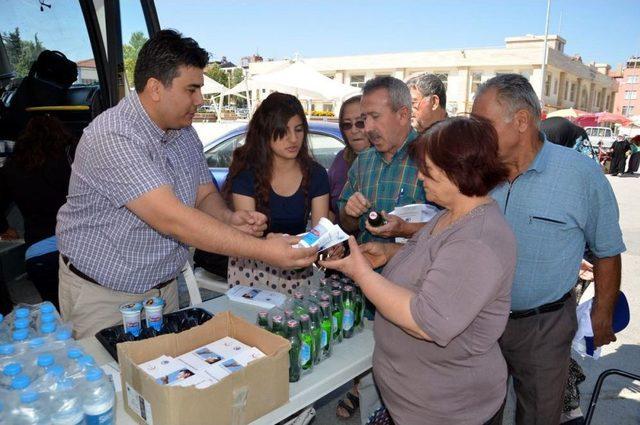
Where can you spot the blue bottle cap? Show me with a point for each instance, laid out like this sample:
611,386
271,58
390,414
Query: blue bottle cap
74,353
1,317
56,370
46,308
20,335
36,343
94,374
63,335
20,382
46,318
45,360
48,328
28,397
87,360
7,349
21,313
21,324
12,369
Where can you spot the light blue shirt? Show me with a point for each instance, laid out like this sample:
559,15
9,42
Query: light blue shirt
560,204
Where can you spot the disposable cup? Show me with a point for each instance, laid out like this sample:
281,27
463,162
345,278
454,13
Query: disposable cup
131,317
153,312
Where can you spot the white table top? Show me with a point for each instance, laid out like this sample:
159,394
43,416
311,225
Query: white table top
349,359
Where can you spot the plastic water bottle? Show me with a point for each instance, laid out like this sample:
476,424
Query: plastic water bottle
32,410
50,380
47,329
66,405
74,368
9,372
3,413
99,398
20,382
21,324
21,313
20,336
44,362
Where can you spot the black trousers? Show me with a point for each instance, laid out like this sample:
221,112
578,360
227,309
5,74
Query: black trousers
617,164
634,162
43,272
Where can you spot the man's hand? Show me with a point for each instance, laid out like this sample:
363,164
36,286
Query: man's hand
9,234
357,205
251,222
281,253
602,325
354,266
375,253
586,271
393,227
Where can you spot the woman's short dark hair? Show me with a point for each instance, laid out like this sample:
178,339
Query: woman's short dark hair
162,55
466,149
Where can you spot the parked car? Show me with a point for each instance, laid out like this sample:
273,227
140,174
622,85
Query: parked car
325,142
600,134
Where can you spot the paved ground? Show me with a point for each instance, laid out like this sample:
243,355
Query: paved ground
619,401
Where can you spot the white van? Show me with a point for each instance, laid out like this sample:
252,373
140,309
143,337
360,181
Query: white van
600,134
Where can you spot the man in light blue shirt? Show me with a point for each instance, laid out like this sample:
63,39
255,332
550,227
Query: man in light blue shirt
558,203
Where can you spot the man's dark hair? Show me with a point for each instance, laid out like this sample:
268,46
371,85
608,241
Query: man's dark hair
162,55
428,85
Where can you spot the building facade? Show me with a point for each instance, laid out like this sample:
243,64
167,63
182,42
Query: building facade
627,99
568,82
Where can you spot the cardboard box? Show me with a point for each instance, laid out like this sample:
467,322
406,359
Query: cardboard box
240,398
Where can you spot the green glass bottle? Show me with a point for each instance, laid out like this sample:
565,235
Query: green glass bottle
278,326
293,334
263,320
298,303
289,315
336,312
326,323
348,312
316,331
359,298
307,344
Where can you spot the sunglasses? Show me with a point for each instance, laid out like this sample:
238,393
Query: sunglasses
345,126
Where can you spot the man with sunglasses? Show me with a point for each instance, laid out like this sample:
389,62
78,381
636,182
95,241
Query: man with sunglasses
428,101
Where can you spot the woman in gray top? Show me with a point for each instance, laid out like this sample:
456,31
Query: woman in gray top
443,299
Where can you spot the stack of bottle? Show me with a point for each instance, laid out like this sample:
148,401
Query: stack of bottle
315,320
45,377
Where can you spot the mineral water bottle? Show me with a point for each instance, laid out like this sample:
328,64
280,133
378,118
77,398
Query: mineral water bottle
49,381
44,361
66,404
99,398
32,410
73,366
9,372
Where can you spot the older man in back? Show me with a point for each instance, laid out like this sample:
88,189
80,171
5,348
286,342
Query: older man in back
428,101
558,202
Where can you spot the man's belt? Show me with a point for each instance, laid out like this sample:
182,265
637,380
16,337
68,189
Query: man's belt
545,308
81,275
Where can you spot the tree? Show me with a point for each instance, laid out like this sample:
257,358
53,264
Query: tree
130,53
218,74
22,53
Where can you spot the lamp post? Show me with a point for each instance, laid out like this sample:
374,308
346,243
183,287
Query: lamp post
544,56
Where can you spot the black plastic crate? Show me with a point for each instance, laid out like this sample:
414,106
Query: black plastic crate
173,323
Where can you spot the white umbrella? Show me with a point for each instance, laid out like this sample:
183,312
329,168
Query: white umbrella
211,86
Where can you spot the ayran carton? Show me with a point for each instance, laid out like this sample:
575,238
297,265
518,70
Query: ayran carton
241,397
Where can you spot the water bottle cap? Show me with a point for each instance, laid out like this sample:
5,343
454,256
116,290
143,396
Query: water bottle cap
45,359
7,349
48,328
28,397
94,374
87,360
36,343
1,317
21,324
74,353
63,334
22,313
20,382
56,370
47,317
12,369
20,334
46,308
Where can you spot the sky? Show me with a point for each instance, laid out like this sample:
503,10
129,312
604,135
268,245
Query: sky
599,30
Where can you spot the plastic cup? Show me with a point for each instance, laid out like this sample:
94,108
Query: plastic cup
131,318
153,312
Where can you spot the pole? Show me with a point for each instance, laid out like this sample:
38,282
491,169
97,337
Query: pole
544,57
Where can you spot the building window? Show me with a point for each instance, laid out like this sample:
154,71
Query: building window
606,103
383,75
566,90
627,110
584,98
357,81
633,79
476,80
573,92
598,95
630,95
555,87
547,85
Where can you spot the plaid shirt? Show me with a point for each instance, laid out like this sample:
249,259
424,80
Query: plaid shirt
122,155
386,184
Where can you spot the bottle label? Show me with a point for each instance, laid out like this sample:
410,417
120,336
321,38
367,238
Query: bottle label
347,320
305,354
105,418
324,339
334,324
